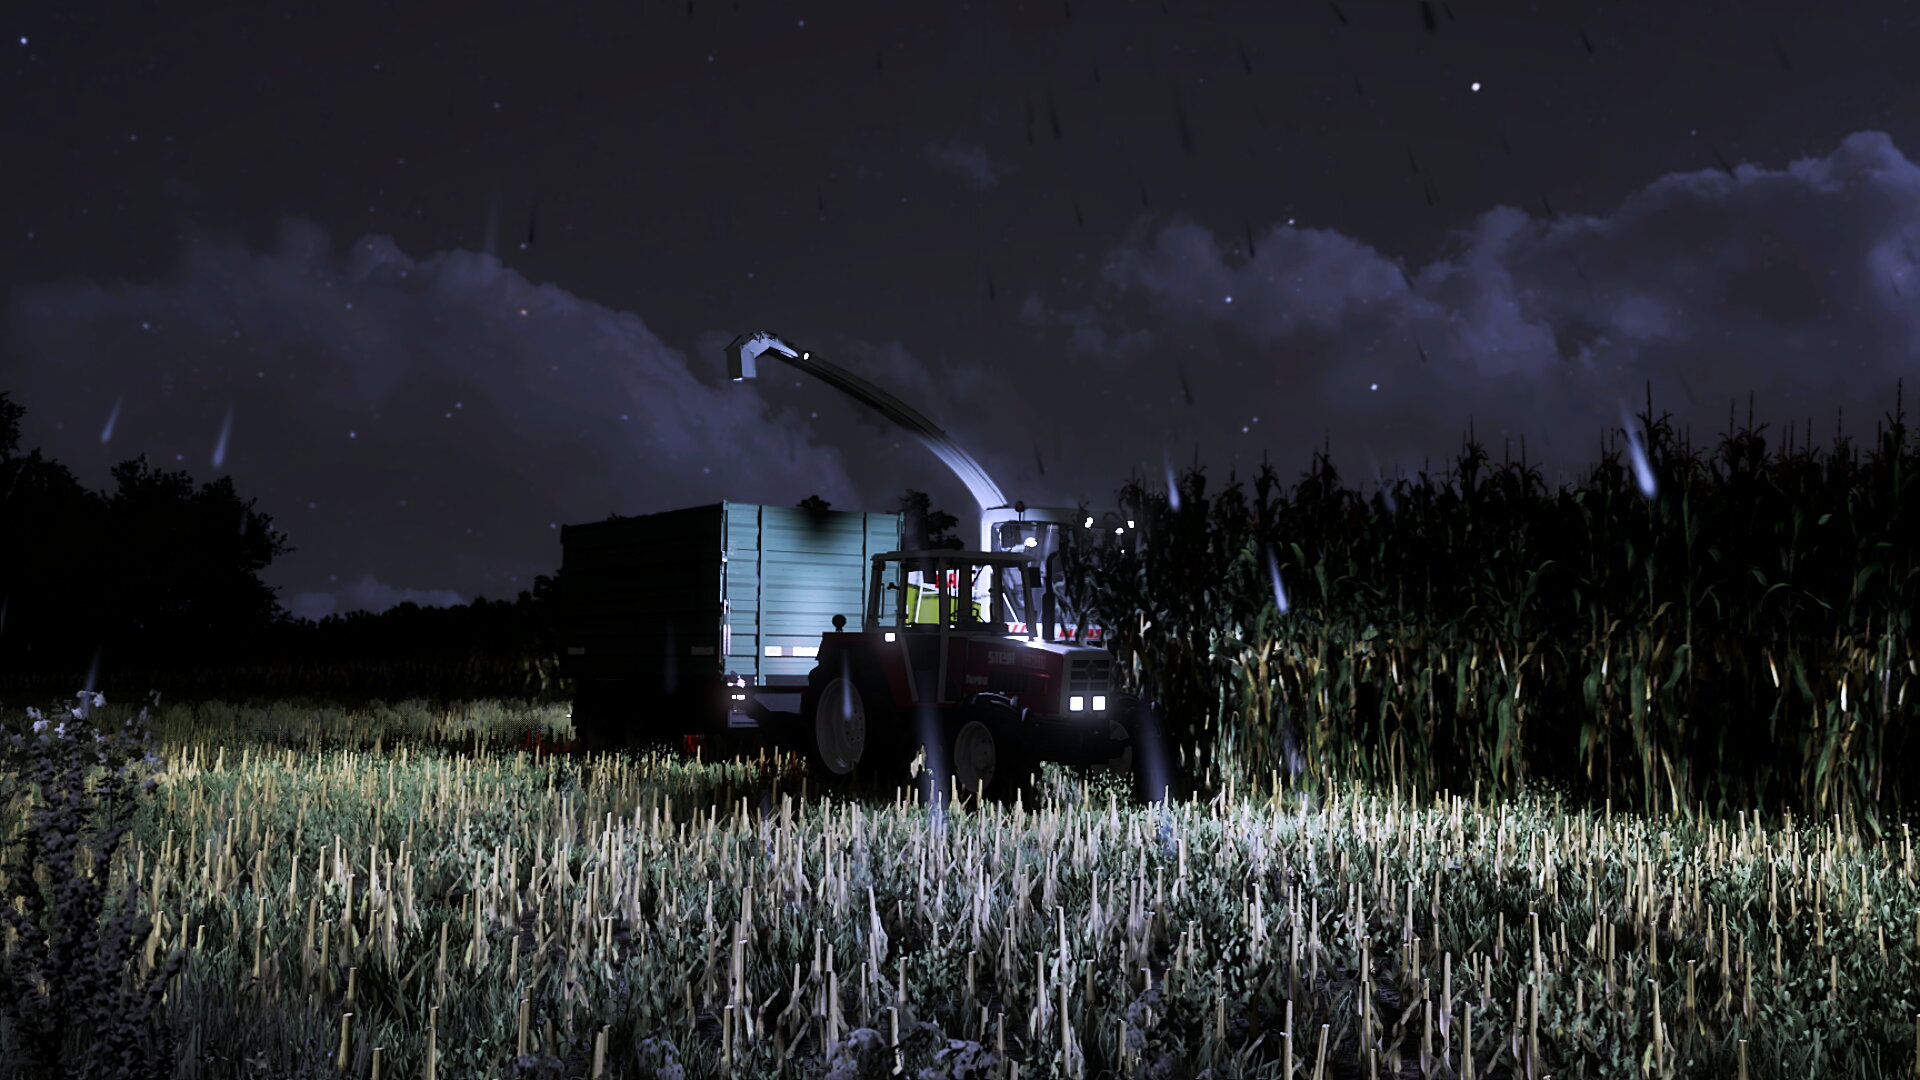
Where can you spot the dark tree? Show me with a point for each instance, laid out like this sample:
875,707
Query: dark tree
155,572
186,563
814,503
927,529
52,533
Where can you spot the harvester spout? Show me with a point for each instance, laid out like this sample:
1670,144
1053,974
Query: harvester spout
743,357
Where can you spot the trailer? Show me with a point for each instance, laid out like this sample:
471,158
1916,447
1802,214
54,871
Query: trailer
704,623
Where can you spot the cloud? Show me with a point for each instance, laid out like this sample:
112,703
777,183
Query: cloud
422,420
368,594
1800,284
404,422
969,162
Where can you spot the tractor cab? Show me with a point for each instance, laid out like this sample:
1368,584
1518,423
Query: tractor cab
978,591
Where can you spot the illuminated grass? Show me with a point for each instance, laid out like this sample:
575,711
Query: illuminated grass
489,908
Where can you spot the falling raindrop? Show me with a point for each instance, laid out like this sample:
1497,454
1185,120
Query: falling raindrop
1337,13
106,433
1642,471
1386,493
1279,590
1427,17
1585,41
1173,487
93,672
1053,119
220,447
1187,141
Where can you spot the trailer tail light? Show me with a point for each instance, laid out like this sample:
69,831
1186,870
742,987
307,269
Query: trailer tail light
889,635
806,650
771,650
1076,703
1099,703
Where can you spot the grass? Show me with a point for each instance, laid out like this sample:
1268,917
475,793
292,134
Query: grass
389,892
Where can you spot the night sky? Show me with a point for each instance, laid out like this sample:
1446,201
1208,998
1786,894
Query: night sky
432,279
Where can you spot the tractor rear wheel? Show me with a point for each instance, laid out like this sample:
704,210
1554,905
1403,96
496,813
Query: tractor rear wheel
835,729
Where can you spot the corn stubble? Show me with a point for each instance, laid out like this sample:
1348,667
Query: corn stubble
463,915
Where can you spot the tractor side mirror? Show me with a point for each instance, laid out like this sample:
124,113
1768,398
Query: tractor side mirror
839,623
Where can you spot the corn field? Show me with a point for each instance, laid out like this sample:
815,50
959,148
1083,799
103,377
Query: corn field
403,908
1722,634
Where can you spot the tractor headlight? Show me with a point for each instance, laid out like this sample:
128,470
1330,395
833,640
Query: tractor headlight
1099,703
1076,703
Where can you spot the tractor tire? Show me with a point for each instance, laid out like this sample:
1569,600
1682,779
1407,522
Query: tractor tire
834,725
973,754
1149,765
852,741
981,752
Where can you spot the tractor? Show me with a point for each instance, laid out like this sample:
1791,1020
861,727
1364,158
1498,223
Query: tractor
934,684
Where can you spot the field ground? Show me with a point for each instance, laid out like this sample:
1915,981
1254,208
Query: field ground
394,883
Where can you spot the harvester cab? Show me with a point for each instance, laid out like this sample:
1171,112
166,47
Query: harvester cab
938,675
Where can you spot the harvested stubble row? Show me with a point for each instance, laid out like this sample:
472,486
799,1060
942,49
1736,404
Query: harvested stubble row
454,914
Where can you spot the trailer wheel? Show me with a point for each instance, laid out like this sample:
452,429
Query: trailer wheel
599,712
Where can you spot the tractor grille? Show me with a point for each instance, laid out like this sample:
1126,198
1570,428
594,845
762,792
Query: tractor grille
1090,674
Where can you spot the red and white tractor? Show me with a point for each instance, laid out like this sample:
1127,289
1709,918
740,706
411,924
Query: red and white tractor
939,685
